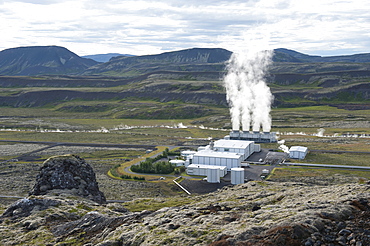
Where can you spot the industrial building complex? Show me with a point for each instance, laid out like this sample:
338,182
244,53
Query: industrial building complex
228,155
219,157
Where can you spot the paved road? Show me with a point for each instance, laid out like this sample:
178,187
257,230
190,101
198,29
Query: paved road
339,151
326,165
108,145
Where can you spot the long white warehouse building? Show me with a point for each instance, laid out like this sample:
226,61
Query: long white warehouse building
215,158
229,153
245,148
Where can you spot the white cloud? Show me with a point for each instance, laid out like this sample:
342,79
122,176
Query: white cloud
146,27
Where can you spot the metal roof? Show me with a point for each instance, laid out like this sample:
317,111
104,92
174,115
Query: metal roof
210,153
237,144
298,148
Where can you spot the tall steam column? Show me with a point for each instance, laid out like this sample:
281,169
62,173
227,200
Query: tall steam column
248,95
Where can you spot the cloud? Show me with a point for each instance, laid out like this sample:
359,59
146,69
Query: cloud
146,27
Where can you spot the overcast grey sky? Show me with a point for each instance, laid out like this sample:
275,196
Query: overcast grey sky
316,27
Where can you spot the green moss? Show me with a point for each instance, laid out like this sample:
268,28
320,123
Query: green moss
84,207
154,204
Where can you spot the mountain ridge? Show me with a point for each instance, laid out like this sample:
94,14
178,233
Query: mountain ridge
37,60
55,60
362,57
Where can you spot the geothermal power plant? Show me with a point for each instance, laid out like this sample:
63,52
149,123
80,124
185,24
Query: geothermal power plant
250,104
257,137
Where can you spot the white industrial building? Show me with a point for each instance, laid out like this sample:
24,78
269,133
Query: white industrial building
223,155
202,170
177,163
245,148
215,158
187,153
229,153
298,152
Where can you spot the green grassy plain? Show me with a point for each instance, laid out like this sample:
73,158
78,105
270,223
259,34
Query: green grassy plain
295,173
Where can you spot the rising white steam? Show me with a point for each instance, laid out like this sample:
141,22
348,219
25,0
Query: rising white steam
320,132
246,91
283,147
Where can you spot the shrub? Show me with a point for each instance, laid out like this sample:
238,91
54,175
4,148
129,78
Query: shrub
153,165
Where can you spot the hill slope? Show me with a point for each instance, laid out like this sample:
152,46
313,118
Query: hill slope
294,56
37,60
194,60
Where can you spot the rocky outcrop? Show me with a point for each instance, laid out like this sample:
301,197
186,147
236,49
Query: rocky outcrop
24,207
254,213
68,173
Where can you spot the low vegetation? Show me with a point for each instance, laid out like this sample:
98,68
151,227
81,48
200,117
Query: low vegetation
124,176
154,165
303,174
148,166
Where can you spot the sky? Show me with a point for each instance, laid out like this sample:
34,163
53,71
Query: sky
141,27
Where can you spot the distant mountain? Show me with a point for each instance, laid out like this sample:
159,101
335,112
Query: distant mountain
36,60
195,60
213,61
200,62
104,57
286,55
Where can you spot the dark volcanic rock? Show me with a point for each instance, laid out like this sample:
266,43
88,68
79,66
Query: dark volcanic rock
68,173
94,223
24,207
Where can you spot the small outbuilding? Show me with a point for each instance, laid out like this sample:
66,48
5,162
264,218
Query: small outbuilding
187,153
177,163
298,152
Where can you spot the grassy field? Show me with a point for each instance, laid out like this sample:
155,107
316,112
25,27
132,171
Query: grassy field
299,173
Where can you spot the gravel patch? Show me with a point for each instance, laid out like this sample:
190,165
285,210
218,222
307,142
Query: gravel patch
202,186
64,150
19,149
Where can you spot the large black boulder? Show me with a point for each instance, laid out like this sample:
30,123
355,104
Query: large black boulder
68,173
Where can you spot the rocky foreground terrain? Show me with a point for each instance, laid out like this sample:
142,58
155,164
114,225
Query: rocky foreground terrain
66,208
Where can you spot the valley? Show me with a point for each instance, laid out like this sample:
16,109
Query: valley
114,114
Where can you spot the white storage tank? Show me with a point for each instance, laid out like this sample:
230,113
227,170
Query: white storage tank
213,175
257,148
237,175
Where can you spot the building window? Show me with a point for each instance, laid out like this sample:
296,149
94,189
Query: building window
226,149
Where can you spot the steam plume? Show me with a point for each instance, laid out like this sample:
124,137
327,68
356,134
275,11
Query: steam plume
246,91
